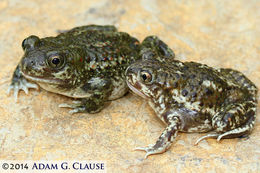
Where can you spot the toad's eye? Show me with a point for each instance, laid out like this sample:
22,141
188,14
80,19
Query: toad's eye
145,76
56,61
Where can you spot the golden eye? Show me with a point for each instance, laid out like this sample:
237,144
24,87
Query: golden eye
146,76
56,61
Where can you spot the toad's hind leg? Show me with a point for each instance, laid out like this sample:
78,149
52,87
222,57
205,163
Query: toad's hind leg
152,45
240,79
240,131
237,121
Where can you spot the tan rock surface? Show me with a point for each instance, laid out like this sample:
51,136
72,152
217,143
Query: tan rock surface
218,33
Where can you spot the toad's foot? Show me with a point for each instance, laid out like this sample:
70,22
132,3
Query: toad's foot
83,105
151,149
21,84
213,135
165,140
75,106
243,130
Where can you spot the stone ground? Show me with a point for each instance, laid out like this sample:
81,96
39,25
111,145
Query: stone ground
218,33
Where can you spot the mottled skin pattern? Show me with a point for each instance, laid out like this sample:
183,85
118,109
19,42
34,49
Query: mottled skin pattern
87,63
192,97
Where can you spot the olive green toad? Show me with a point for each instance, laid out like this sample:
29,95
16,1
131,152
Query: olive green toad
87,63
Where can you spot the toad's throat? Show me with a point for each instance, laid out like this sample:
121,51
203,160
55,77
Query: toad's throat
136,90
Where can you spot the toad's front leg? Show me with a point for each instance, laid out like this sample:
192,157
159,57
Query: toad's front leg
20,83
99,88
165,140
89,105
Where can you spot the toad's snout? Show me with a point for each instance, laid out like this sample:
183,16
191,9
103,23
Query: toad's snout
27,64
32,62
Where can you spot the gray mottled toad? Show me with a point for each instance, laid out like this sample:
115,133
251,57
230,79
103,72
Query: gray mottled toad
192,97
87,63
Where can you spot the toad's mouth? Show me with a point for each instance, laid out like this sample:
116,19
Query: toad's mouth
41,80
136,90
